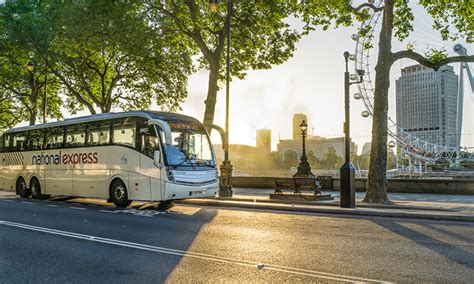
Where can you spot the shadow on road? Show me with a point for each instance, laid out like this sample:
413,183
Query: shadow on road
443,248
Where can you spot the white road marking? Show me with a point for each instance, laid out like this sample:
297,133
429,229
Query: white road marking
136,212
26,202
52,205
285,269
6,200
78,208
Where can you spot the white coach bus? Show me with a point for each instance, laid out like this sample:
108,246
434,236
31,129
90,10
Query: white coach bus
136,155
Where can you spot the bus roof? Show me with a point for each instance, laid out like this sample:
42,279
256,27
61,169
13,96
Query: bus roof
166,116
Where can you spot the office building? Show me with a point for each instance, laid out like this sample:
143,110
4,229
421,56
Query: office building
426,102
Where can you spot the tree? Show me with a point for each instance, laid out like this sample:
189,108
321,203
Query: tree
290,159
313,161
106,55
453,19
25,32
261,36
331,160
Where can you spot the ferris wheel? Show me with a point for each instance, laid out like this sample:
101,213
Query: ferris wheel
407,142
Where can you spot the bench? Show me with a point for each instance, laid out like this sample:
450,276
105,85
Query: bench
298,184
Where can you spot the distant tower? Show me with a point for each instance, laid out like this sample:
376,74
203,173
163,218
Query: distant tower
366,148
264,140
297,118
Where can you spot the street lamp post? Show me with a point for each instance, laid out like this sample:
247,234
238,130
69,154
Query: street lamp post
304,169
31,68
347,171
45,98
225,187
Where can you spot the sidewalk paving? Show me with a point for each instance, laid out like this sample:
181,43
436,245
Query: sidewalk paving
421,206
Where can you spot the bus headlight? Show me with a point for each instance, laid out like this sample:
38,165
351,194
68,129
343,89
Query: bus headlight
169,174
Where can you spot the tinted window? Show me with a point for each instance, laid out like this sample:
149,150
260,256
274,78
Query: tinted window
124,132
35,139
148,140
75,136
55,138
6,142
19,142
99,133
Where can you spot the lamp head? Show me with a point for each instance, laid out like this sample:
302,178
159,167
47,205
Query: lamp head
360,72
30,66
214,5
303,126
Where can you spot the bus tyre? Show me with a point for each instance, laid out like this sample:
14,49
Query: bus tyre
35,188
119,194
21,188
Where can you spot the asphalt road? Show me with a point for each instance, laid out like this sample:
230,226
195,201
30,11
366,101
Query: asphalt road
45,241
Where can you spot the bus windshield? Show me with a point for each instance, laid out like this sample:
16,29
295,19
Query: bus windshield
190,146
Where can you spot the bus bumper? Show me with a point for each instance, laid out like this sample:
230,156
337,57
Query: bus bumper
174,191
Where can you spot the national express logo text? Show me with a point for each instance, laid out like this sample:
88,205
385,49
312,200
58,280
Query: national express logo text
65,159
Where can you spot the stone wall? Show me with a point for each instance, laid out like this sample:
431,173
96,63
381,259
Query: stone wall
437,186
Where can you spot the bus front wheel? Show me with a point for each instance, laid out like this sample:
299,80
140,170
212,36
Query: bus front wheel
35,188
21,188
119,194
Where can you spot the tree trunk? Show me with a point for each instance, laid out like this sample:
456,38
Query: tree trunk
212,92
33,115
377,179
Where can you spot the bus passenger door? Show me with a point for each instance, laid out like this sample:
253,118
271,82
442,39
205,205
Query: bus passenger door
148,143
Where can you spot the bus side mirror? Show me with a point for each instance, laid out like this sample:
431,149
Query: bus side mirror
157,158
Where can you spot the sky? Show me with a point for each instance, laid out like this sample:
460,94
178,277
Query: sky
311,82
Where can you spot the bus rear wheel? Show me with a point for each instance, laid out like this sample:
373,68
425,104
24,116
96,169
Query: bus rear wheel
119,194
35,188
21,188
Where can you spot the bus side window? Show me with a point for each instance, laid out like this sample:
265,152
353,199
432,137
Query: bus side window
124,132
6,143
148,140
75,136
19,141
55,138
99,133
35,139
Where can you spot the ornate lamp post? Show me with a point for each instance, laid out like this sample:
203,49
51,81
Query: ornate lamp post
225,187
347,171
304,169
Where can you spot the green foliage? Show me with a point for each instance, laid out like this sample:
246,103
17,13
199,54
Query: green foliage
25,32
94,54
260,35
434,55
107,56
452,18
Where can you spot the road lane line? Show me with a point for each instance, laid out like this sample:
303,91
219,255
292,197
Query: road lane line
77,208
6,200
290,270
26,202
52,205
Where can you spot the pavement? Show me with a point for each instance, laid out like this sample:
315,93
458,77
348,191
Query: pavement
405,205
84,240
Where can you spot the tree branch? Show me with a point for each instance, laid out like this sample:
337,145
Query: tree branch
426,62
356,10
